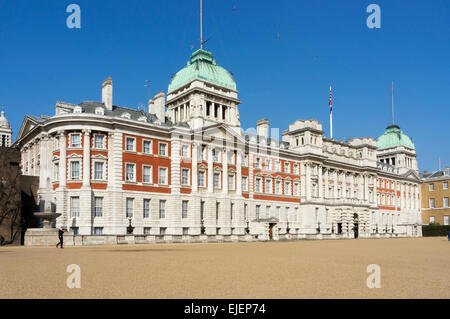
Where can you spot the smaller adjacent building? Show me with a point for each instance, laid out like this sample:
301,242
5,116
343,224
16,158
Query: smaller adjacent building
435,197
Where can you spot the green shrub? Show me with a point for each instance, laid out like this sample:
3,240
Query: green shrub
435,230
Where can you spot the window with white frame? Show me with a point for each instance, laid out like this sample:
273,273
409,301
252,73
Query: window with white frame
163,149
130,144
296,169
98,170
445,185
215,154
201,178
162,176
446,202
75,170
267,211
147,230
257,162
268,185
278,166
147,147
129,207
258,184
147,174
295,190
98,230
257,211
75,206
146,208
287,188
185,150
278,187
446,220
99,141
287,167
184,208
162,209
230,156
244,183
277,211
296,214
130,174
184,176
432,220
431,203
286,214
231,181
216,180
75,140
431,187
98,206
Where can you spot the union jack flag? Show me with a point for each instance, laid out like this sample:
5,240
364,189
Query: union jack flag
331,102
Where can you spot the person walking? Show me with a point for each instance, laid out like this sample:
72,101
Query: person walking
61,237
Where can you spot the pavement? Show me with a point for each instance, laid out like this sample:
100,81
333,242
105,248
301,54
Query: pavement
409,268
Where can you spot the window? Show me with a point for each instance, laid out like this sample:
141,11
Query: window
130,144
268,185
184,209
445,201
129,176
257,162
99,111
287,214
184,150
217,210
216,180
147,147
287,188
146,208
75,140
98,206
231,210
244,183
185,176
75,170
147,230
162,176
56,170
295,191
129,207
278,187
75,206
162,209
98,170
98,230
278,166
98,141
162,231
267,211
75,230
185,231
296,169
446,220
230,181
445,186
163,149
147,174
287,167
215,154
201,179
431,187
258,208
431,202
431,219
258,184
277,211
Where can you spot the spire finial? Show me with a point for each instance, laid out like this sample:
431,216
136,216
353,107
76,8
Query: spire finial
3,110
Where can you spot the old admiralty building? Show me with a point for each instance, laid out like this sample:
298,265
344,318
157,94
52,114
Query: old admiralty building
186,170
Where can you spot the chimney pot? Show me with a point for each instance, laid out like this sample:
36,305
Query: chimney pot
107,93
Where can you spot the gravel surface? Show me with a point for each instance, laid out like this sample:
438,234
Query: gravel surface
410,268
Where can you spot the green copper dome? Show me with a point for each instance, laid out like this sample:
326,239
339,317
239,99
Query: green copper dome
394,137
202,67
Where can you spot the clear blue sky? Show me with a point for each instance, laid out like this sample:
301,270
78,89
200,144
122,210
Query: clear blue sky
284,55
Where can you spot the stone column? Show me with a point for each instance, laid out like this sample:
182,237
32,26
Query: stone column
238,173
87,159
320,183
225,171
61,192
44,154
62,160
194,171
326,193
308,181
210,169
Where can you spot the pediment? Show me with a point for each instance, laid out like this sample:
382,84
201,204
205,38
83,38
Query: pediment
412,174
27,125
221,132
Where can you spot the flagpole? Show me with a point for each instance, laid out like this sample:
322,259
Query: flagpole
331,116
201,24
392,93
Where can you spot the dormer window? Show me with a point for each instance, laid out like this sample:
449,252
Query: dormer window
99,111
126,115
77,109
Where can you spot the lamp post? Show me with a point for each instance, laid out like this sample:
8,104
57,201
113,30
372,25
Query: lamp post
129,228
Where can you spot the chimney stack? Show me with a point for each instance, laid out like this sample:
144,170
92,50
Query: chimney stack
262,128
151,106
160,106
107,93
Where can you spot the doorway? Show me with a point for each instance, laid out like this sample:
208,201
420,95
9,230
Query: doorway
271,231
355,225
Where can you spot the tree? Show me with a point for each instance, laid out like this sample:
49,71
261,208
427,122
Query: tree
10,217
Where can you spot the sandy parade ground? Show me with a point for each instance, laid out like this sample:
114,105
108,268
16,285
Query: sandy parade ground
410,268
